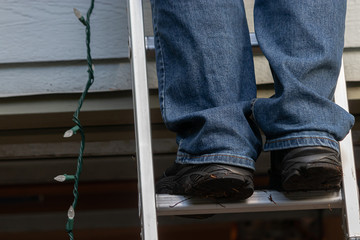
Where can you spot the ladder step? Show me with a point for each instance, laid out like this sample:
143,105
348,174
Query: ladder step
150,44
260,201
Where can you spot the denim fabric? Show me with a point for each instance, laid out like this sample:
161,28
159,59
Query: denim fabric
207,87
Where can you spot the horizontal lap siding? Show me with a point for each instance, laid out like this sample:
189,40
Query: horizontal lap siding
42,47
66,77
40,31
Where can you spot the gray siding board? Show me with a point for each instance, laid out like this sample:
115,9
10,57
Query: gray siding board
352,65
66,77
49,31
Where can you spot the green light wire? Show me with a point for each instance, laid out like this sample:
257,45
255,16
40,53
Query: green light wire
78,127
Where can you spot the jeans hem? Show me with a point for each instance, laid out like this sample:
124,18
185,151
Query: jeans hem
222,158
301,140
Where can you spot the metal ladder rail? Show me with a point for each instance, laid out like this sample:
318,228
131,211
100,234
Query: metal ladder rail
261,201
350,191
147,210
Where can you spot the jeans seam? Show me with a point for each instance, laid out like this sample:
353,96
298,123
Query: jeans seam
252,108
211,155
230,159
252,115
293,138
162,73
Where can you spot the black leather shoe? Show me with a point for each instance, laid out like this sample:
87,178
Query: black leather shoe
306,168
217,181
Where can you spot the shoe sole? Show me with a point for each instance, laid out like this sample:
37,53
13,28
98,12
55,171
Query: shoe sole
214,181
312,176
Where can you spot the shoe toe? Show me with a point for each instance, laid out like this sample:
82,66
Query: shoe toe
310,168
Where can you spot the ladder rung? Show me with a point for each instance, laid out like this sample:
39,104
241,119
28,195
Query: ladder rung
260,201
150,45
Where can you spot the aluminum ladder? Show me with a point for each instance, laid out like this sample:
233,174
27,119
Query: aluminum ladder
152,205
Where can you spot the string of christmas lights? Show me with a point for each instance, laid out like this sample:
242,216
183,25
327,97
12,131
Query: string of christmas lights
78,127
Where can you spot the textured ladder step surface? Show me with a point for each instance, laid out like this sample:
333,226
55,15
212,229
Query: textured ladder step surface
260,201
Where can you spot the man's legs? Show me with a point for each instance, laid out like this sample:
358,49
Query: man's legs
303,41
206,84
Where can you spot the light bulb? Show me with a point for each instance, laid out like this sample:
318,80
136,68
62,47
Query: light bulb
64,177
70,222
79,16
68,133
77,13
60,178
71,131
71,212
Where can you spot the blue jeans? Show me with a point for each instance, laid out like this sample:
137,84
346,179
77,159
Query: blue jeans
207,86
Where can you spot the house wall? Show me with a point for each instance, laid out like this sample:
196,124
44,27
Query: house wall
42,69
42,72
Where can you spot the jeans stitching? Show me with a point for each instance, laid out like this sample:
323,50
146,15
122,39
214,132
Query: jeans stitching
294,138
213,155
245,162
253,111
162,73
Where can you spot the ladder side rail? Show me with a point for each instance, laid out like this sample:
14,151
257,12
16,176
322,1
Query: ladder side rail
144,155
349,187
